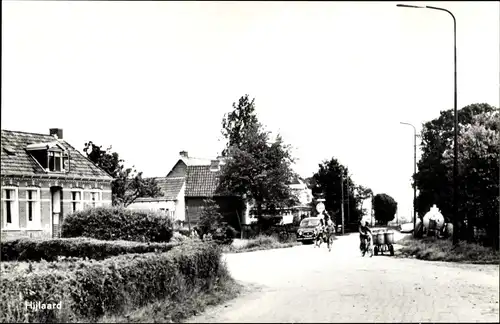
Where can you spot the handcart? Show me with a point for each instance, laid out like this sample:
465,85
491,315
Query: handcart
383,241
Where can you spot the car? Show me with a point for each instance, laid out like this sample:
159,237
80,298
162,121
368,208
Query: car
307,229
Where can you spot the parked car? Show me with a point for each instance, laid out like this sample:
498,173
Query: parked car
307,229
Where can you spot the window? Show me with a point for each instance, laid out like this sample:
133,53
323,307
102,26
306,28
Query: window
76,200
33,207
10,208
55,161
95,198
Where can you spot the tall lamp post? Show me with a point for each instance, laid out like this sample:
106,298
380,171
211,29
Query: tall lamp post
414,174
455,134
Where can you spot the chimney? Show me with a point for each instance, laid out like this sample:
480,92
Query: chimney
56,132
214,165
184,154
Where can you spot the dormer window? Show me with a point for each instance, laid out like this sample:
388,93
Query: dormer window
57,161
52,157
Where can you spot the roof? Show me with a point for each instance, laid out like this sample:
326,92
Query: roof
170,188
15,160
195,161
296,180
200,181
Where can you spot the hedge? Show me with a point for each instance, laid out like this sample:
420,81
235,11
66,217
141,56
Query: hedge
112,286
52,249
117,223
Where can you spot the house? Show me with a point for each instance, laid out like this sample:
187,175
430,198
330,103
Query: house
43,178
173,187
304,195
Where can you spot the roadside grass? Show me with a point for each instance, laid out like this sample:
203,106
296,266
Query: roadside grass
189,303
261,242
433,249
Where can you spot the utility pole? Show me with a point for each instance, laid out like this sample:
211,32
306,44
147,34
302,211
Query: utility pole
348,209
342,204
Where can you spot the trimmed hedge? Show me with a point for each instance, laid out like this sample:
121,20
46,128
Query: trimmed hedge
91,289
52,249
117,223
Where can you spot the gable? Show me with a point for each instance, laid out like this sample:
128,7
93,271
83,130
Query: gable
179,169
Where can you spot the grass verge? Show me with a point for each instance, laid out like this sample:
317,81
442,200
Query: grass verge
190,303
262,242
432,249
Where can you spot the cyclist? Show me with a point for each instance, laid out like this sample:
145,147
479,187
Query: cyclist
364,231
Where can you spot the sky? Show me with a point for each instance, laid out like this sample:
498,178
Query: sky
335,79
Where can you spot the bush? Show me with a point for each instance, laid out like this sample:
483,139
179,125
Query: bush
261,242
212,223
51,249
433,249
116,223
90,289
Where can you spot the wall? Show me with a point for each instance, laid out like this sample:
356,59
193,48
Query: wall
180,204
45,228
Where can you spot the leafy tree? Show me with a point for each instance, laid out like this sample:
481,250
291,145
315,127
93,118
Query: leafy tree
479,173
256,168
384,207
128,184
236,123
326,183
434,178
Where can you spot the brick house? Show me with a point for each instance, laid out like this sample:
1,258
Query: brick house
43,178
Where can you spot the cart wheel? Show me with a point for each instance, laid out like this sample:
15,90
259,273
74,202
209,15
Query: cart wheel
375,250
391,249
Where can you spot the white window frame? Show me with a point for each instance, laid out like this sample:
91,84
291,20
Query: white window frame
61,155
98,201
14,224
36,222
79,203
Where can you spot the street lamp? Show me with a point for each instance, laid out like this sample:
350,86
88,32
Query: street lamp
414,174
455,134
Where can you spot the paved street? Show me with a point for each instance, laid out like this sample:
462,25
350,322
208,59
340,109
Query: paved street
307,284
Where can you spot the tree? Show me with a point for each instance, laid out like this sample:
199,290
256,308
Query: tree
236,123
385,208
256,168
479,173
434,178
128,184
326,183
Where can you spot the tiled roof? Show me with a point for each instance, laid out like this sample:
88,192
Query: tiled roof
15,160
196,161
200,181
170,188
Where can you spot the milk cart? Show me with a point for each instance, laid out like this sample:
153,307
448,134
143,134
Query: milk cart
383,241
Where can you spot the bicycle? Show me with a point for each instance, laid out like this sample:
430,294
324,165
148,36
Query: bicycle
329,237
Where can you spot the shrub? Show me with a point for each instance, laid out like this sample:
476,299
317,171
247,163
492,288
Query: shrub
433,249
50,249
212,223
90,289
117,223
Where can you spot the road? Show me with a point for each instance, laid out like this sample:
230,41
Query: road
307,284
